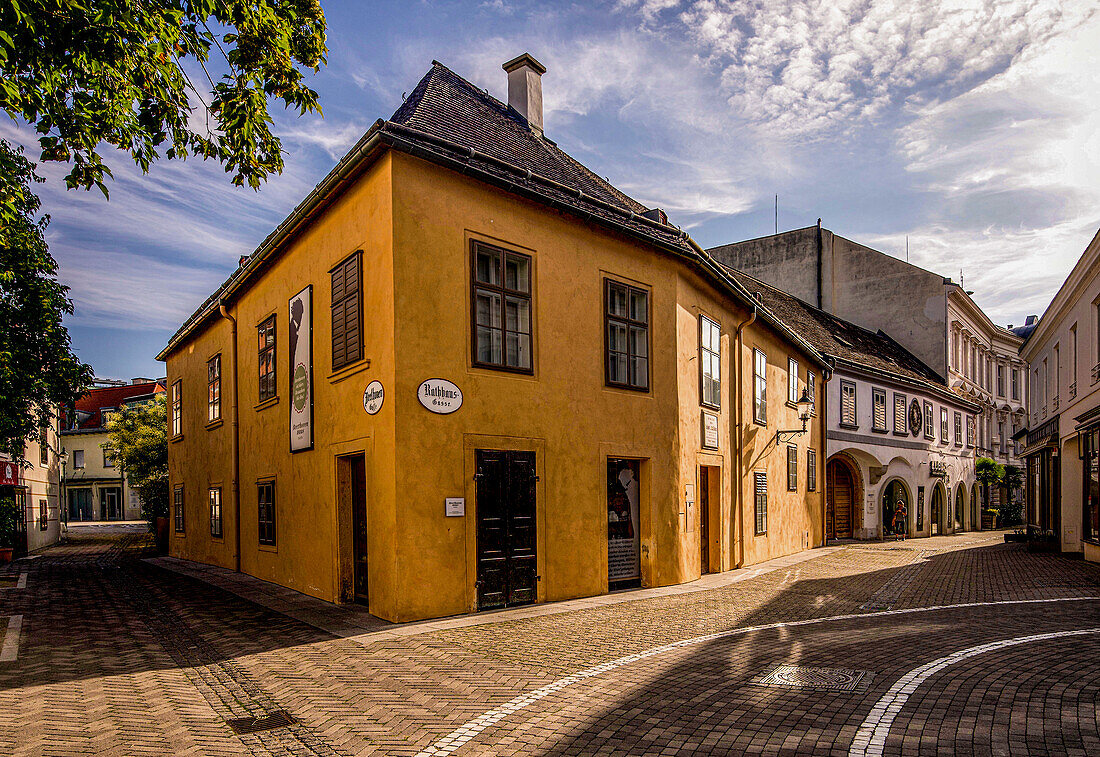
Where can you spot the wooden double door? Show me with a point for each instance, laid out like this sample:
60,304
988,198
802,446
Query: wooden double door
507,567
839,497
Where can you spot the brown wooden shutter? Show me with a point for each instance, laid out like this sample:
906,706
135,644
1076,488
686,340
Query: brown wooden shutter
347,331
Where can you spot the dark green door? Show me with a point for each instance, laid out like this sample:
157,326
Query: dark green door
507,572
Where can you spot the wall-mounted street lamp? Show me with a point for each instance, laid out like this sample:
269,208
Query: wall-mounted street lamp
805,407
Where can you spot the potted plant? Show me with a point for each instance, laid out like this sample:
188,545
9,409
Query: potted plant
989,519
9,517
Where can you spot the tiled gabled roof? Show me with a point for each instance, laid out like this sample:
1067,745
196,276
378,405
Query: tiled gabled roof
445,105
450,122
841,340
111,397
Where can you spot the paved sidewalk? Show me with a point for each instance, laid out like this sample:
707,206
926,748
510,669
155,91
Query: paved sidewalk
353,621
120,656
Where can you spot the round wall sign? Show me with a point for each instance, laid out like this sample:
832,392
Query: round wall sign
439,396
916,418
373,397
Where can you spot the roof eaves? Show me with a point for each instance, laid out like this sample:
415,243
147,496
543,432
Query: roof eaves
317,198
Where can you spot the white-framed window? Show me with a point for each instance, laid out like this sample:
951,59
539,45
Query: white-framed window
929,421
216,513
792,380
792,468
944,430
710,362
78,458
811,390
760,387
811,470
900,426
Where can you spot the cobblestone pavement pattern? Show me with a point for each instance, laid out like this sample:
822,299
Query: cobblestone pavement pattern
118,656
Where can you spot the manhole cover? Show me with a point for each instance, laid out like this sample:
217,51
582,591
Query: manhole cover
828,679
277,719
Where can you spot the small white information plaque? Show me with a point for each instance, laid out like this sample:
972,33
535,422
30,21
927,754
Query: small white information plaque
455,507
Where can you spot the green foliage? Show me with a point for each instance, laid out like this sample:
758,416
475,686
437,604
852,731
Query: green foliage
9,517
138,435
139,76
1013,478
38,371
987,471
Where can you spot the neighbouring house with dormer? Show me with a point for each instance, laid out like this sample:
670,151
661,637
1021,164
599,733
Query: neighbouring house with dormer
896,432
930,315
1062,437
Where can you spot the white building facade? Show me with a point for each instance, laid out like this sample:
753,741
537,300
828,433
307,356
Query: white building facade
1063,431
35,485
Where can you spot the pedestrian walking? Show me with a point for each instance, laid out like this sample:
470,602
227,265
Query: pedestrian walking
900,520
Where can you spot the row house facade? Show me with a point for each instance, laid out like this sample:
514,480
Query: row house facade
1063,432
34,483
984,365
95,486
467,373
896,432
930,315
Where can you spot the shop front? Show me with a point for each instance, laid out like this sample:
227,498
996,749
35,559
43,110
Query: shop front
1043,485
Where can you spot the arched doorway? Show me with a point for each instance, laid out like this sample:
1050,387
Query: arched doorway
960,506
893,492
937,510
839,496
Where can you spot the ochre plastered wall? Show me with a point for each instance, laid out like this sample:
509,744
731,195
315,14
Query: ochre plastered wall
415,223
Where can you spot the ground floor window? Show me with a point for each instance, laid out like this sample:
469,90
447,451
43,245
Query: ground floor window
177,507
623,527
216,513
43,514
1091,463
80,504
760,502
265,497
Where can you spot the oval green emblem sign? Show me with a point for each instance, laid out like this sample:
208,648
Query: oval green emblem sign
301,387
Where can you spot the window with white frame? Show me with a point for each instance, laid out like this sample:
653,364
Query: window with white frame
878,414
792,380
710,361
944,430
760,387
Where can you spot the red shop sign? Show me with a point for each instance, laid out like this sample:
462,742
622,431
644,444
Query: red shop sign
9,474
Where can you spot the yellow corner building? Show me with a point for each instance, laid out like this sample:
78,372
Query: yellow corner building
468,373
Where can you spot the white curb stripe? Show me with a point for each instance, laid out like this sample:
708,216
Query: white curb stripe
871,737
10,650
460,736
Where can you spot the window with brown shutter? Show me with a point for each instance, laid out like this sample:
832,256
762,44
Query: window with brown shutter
760,502
347,320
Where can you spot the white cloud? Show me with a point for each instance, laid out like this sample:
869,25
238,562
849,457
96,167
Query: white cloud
1010,168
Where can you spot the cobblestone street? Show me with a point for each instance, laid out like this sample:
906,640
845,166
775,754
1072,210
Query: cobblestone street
959,644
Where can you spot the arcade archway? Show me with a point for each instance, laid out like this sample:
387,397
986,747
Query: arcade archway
894,492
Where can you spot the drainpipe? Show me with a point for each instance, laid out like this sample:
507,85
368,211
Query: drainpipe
738,411
235,441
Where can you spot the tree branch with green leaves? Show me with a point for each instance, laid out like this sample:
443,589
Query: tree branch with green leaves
88,73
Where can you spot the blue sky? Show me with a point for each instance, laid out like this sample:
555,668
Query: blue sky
969,127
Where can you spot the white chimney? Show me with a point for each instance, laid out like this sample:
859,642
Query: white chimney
525,89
